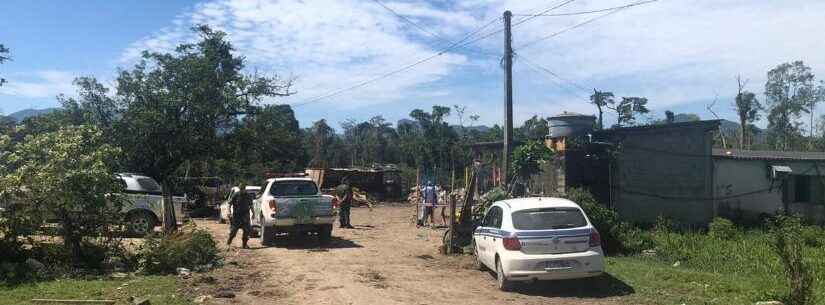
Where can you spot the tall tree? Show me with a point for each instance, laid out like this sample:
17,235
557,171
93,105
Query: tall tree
670,117
629,109
176,104
4,56
747,108
601,100
789,92
320,137
534,128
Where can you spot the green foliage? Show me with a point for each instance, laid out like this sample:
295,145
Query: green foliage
790,91
190,248
175,105
64,175
617,237
4,56
487,199
527,158
789,245
723,228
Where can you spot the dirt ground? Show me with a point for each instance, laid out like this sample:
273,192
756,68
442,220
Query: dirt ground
384,260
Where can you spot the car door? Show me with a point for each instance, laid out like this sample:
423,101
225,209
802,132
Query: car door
481,237
494,239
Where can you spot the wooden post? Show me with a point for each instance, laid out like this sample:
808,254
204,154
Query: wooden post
449,249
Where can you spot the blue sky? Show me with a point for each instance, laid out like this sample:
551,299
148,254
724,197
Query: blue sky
680,54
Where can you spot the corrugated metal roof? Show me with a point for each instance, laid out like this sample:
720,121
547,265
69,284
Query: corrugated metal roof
768,155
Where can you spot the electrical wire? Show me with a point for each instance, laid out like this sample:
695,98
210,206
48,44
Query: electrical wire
423,29
402,69
561,85
590,11
542,68
588,21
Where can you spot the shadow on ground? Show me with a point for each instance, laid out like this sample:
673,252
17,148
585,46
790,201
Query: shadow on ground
602,286
312,243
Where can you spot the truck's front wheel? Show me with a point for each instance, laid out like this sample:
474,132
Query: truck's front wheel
325,234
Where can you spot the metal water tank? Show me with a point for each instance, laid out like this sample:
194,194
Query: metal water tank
569,124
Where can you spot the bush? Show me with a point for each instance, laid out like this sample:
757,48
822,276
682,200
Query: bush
813,236
189,248
617,237
789,244
722,228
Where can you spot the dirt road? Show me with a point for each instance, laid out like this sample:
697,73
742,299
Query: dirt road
385,260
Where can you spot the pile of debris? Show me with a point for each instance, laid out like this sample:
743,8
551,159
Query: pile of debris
360,198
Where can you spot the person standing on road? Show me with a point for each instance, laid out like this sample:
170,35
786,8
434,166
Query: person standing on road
239,210
430,199
344,192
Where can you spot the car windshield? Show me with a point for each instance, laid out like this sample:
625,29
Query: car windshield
148,184
293,188
548,218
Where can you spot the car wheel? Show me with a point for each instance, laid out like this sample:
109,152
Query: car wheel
140,224
267,234
325,234
503,283
478,264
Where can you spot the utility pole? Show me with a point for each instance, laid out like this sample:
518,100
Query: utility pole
508,98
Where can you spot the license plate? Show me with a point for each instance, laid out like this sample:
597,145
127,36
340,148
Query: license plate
557,264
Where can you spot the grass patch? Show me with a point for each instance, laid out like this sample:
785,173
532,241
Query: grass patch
159,289
657,282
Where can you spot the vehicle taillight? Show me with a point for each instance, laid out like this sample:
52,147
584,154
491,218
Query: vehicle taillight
595,238
335,203
273,205
511,243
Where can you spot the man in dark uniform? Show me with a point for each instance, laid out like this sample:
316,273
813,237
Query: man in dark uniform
344,192
239,210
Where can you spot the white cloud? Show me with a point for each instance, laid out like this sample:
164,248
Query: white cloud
40,84
674,52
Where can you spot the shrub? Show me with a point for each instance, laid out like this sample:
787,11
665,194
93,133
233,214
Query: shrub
617,237
722,228
789,244
189,248
813,236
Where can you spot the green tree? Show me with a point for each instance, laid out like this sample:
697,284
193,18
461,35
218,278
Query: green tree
67,175
534,128
628,110
175,105
789,92
320,138
602,100
747,108
4,56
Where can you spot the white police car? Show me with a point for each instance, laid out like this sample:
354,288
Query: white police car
538,238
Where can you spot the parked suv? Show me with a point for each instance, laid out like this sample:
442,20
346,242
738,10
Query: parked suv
537,239
143,204
293,206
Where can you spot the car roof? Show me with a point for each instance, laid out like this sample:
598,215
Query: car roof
517,204
248,188
289,179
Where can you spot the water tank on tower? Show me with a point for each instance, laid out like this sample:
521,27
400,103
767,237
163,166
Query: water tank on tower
570,124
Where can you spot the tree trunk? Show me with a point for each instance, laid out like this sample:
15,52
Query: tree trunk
170,223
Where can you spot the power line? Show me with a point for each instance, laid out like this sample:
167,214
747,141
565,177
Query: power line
542,68
538,68
581,24
422,28
402,69
590,11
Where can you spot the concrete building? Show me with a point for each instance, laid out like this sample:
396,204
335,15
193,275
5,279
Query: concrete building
749,185
662,170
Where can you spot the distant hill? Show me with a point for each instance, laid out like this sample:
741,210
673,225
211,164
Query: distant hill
27,113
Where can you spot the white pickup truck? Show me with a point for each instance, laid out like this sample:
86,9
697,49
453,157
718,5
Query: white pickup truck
143,204
294,206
